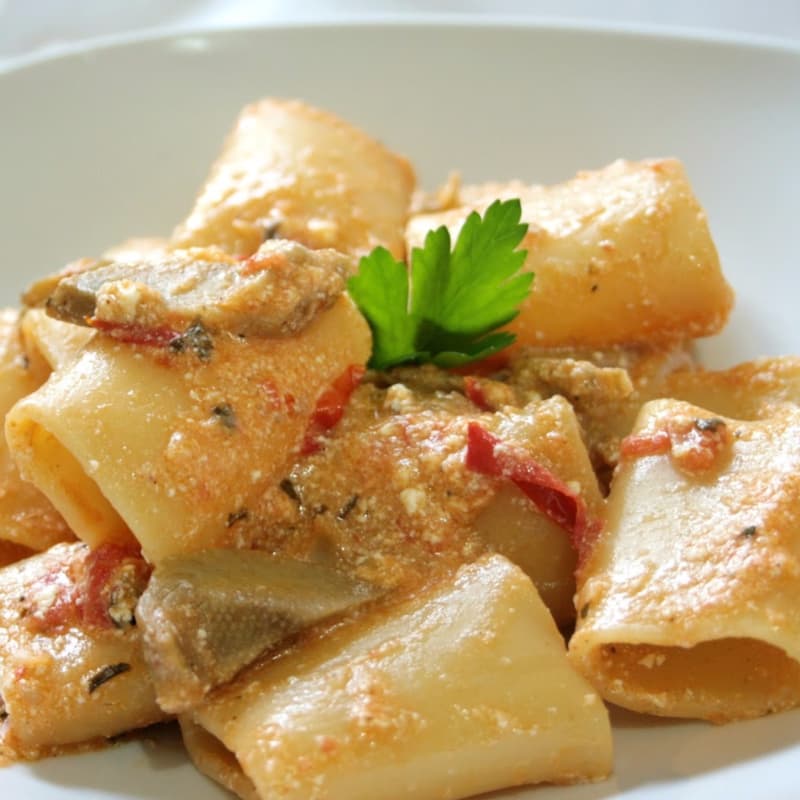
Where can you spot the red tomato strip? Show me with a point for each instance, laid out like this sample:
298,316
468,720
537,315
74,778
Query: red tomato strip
694,445
134,334
473,388
547,492
638,445
330,408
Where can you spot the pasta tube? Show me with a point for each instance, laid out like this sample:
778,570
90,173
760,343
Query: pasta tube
620,255
688,605
55,342
27,518
459,691
184,449
294,172
71,662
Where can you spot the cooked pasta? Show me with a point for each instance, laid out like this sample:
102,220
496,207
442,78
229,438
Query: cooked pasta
213,437
280,154
427,698
27,518
415,576
621,255
71,663
688,603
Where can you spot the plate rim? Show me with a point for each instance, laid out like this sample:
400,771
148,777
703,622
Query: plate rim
170,34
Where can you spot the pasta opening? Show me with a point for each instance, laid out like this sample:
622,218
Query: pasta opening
60,476
720,680
214,760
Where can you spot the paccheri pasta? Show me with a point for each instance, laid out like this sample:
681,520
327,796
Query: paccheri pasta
351,582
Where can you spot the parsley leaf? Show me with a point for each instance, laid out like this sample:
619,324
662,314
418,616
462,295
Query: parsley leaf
455,299
381,292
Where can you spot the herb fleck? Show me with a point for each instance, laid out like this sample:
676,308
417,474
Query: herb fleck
749,531
224,413
288,487
195,338
237,516
106,674
595,287
347,507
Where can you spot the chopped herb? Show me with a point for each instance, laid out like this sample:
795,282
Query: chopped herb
195,338
749,531
448,309
106,674
347,507
237,516
288,487
595,287
711,424
224,413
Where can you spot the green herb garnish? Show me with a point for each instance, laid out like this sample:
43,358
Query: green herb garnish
445,310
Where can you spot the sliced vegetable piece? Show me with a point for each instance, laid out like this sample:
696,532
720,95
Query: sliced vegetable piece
207,615
275,292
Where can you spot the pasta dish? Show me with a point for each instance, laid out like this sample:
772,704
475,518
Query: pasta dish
386,493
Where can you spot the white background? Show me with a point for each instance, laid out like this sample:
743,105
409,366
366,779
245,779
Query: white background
38,26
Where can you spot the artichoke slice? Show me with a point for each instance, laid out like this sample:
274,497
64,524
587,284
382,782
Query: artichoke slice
276,292
207,615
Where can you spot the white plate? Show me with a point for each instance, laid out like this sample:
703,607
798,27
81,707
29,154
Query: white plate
112,142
